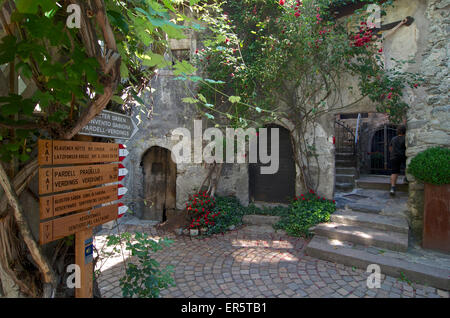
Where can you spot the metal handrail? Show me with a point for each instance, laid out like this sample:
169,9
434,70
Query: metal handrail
348,130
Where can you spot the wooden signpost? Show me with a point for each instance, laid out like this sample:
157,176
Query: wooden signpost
77,177
89,168
58,152
55,205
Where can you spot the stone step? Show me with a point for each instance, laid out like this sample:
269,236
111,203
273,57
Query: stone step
374,221
329,250
360,207
363,235
348,170
345,178
344,150
255,219
345,156
379,185
344,186
345,163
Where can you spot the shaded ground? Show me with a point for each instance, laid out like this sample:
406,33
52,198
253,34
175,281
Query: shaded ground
250,262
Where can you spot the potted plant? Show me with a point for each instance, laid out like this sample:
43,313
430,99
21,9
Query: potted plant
193,231
432,167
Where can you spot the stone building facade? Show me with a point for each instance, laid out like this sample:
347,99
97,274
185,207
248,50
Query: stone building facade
426,41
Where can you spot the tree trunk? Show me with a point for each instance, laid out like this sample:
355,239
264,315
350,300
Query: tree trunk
24,229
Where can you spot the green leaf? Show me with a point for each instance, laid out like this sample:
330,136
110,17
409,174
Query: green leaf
123,71
234,99
117,99
189,100
8,49
152,59
202,98
32,6
137,98
117,19
195,78
213,81
183,68
173,31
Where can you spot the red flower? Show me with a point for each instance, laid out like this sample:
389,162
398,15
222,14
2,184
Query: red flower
380,50
282,2
389,96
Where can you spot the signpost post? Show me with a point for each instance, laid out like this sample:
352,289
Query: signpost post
89,168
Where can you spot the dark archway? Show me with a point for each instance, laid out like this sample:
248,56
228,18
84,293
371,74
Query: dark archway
278,187
380,162
160,175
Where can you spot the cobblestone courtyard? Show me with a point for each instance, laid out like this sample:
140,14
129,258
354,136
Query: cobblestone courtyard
248,263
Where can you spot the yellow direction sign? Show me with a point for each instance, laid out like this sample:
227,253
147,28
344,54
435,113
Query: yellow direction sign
59,204
63,152
68,225
78,177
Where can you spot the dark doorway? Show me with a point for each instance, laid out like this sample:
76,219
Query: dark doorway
380,162
160,173
278,187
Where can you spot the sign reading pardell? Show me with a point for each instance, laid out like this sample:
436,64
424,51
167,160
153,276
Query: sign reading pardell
110,125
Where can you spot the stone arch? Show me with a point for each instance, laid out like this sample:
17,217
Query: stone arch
159,174
278,187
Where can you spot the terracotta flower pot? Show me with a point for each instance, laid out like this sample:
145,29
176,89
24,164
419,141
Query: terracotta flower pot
436,218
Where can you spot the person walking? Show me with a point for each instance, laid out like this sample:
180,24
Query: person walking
397,150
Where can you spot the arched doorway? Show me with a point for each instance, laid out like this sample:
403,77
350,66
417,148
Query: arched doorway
278,187
160,174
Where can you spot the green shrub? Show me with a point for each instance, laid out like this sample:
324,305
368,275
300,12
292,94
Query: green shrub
231,213
306,211
431,166
144,279
296,219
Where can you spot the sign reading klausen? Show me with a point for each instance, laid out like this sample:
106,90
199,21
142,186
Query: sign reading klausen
78,177
55,205
68,225
60,152
110,125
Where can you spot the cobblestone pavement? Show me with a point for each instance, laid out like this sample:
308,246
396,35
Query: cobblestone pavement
247,263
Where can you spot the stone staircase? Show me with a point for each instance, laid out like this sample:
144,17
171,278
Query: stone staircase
362,236
345,169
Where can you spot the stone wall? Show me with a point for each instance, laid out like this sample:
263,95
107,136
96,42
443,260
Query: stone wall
168,112
428,119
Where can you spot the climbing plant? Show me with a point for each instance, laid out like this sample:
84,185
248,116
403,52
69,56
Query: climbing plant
290,61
